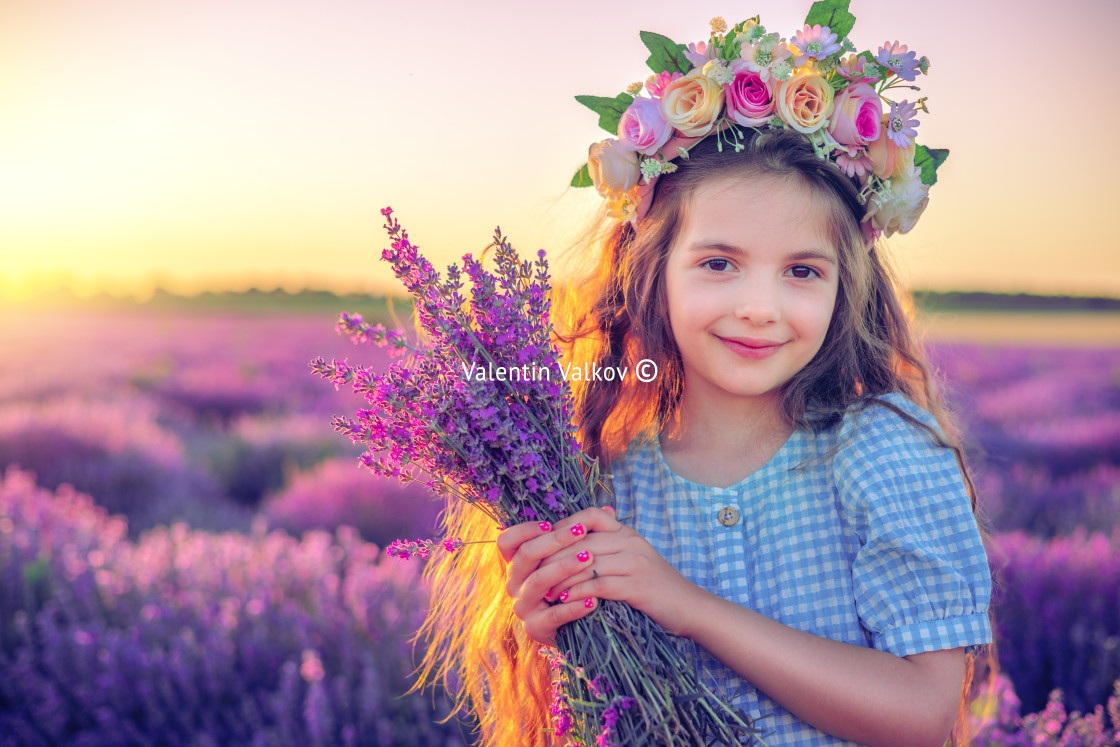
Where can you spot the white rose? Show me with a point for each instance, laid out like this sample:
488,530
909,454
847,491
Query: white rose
896,206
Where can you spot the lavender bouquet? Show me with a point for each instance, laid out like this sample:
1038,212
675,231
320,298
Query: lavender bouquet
478,410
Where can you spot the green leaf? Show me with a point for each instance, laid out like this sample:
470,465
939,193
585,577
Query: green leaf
582,178
834,14
665,55
610,111
929,160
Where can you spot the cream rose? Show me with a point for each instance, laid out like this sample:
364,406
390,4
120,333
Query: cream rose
887,159
896,206
805,101
692,104
613,168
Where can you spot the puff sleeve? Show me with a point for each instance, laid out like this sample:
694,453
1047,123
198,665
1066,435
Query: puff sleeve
920,574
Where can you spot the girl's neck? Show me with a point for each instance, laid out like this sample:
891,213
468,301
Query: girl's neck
738,420
720,442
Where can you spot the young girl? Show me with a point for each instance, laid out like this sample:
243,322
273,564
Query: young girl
784,500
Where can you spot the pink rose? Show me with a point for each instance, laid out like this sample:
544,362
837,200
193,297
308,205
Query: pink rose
750,100
857,116
805,101
887,158
692,104
643,127
613,168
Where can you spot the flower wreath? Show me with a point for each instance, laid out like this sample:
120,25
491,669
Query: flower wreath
814,83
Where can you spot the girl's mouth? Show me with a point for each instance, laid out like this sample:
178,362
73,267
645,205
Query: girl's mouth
750,348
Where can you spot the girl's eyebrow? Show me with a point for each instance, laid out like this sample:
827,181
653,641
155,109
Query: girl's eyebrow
706,246
813,254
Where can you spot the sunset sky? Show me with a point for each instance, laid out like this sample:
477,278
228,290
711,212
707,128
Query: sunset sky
218,144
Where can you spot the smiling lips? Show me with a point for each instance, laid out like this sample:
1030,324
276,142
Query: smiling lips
750,347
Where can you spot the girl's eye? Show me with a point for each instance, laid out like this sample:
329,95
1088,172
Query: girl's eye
804,269
717,265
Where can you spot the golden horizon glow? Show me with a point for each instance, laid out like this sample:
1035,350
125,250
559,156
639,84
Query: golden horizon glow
210,145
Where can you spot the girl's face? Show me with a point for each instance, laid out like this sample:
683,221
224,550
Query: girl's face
751,281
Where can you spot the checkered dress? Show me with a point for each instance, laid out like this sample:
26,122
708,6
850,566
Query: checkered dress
875,547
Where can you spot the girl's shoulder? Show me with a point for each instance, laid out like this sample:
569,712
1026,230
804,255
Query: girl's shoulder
891,447
890,418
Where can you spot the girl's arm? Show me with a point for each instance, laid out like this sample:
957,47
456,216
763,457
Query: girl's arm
862,694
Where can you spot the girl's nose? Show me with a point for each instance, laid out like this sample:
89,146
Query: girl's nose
758,302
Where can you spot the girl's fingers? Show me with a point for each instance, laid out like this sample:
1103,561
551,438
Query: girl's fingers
554,576
526,545
588,520
597,566
512,538
602,587
571,528
530,551
542,626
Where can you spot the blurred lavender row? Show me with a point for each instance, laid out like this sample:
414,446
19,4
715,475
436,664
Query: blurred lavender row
195,638
216,422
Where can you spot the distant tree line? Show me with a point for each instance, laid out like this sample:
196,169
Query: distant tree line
371,305
931,300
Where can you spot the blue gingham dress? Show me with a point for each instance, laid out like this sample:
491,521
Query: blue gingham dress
876,547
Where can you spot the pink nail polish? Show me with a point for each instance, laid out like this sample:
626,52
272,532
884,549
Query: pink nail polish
577,530
563,596
548,596
545,526
584,556
589,603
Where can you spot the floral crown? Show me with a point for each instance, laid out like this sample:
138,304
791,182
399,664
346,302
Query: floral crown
814,83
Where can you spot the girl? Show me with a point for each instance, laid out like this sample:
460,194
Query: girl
784,500
794,513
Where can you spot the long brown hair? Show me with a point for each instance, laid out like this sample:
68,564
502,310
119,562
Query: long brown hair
617,316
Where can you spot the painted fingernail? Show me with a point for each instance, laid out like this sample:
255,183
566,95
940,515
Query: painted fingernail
548,596
563,596
545,526
589,603
584,556
577,530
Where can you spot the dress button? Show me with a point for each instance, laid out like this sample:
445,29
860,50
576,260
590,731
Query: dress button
728,516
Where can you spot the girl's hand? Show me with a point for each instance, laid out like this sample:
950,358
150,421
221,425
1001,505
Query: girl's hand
526,547
618,564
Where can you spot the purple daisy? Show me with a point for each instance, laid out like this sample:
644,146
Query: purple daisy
900,124
898,59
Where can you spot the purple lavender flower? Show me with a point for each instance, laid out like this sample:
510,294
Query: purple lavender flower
421,548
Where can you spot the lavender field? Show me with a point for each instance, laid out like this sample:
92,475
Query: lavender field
189,555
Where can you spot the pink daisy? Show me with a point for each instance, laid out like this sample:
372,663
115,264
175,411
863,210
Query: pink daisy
814,43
